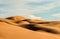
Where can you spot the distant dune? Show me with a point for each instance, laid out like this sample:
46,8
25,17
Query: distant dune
19,27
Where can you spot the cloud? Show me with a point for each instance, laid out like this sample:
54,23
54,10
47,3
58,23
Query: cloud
27,7
41,6
34,4
16,7
33,17
56,15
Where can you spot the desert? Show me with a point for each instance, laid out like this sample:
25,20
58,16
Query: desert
19,27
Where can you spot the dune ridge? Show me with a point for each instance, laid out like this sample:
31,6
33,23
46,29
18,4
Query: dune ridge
19,27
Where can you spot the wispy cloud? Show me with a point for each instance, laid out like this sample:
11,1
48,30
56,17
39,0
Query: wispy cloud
27,7
56,15
35,4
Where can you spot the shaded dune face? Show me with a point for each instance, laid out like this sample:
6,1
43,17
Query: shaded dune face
8,31
31,24
11,18
45,29
51,27
18,27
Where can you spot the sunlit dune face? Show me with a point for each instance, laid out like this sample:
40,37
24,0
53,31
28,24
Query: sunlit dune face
29,23
16,18
35,21
8,31
22,22
18,27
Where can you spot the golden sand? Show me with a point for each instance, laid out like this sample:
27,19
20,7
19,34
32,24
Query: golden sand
11,29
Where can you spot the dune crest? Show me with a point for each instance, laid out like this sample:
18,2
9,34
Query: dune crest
19,27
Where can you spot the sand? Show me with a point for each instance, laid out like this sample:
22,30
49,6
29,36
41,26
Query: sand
8,31
11,28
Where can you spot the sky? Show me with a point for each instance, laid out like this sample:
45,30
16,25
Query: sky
36,9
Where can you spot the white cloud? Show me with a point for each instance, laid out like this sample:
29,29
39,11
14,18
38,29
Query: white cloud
33,17
42,8
56,15
17,7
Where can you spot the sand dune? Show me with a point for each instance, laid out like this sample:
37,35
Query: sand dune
23,29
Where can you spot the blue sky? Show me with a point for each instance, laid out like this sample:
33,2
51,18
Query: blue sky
43,9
